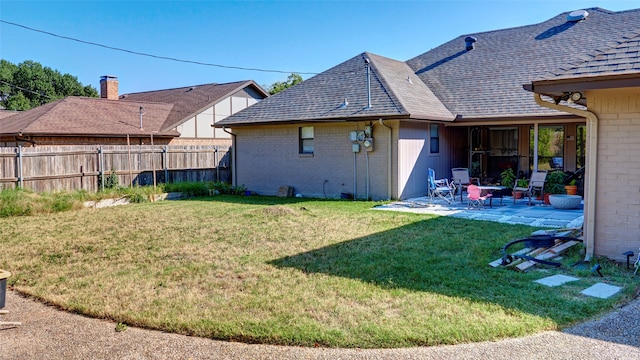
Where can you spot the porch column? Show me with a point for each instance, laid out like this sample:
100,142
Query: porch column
535,146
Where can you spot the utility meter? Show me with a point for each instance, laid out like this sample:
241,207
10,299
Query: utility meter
368,144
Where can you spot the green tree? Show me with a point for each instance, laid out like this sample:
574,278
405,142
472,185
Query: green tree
278,86
29,84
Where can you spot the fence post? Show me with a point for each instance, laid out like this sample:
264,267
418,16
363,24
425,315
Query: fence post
165,165
19,165
153,161
101,167
216,163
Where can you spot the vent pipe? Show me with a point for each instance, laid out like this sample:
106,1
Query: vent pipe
142,112
470,42
366,64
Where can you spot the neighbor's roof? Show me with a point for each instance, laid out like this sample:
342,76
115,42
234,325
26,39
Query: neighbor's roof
191,100
395,91
486,82
7,113
89,116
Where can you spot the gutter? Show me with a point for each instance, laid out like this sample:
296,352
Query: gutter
389,157
234,179
592,151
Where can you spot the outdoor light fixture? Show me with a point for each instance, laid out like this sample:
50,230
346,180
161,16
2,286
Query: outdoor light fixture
574,97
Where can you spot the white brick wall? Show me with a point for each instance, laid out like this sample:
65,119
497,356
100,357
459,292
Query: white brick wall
618,179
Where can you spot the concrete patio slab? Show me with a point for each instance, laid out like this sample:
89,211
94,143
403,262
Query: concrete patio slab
601,290
556,280
537,215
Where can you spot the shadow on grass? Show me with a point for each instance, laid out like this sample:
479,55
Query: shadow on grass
446,256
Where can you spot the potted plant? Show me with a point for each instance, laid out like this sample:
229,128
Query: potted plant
554,184
521,185
507,178
571,188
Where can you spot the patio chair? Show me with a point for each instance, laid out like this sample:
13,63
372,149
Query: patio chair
475,197
440,188
461,179
536,185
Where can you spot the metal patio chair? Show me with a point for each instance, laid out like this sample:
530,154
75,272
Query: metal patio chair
440,188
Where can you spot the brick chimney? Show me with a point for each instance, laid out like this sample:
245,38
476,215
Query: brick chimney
109,87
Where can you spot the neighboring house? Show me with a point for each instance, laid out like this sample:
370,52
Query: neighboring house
608,81
459,104
173,116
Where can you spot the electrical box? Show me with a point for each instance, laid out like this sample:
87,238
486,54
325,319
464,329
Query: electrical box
355,148
367,131
353,136
368,144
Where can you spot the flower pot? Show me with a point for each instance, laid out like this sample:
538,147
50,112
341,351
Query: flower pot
571,189
545,198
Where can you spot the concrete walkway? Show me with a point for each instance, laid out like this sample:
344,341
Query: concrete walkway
502,210
48,333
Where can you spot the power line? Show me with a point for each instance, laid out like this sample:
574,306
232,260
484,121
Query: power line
27,90
154,56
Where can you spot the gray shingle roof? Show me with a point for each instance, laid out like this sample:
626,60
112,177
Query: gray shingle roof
487,81
319,98
623,57
190,100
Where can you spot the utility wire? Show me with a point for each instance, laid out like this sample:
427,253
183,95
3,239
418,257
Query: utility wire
27,90
154,56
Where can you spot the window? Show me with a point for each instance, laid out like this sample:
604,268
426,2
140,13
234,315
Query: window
306,140
550,147
435,139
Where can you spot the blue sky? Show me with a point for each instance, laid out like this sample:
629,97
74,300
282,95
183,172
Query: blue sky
289,36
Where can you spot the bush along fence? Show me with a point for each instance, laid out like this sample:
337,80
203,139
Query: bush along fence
55,168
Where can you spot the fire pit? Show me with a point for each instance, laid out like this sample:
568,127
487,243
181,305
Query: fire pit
561,201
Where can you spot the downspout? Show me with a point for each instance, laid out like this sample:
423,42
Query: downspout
389,167
592,151
234,179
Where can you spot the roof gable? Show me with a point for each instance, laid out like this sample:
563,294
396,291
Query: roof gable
188,101
344,93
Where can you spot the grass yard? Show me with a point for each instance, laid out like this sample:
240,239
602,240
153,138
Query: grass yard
293,272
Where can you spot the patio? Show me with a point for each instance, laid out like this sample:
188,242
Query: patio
539,214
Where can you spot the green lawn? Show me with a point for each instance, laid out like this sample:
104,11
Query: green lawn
293,272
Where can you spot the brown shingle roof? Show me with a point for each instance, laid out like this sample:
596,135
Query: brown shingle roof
89,116
7,113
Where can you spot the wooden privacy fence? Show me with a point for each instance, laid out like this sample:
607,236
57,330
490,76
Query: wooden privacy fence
54,168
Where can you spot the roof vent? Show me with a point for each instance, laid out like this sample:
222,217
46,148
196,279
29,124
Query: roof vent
470,42
577,15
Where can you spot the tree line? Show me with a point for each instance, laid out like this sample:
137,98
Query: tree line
29,84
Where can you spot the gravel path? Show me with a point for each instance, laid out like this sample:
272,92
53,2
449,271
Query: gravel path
47,333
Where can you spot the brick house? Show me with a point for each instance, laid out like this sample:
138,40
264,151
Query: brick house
372,126
172,116
608,82
460,104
